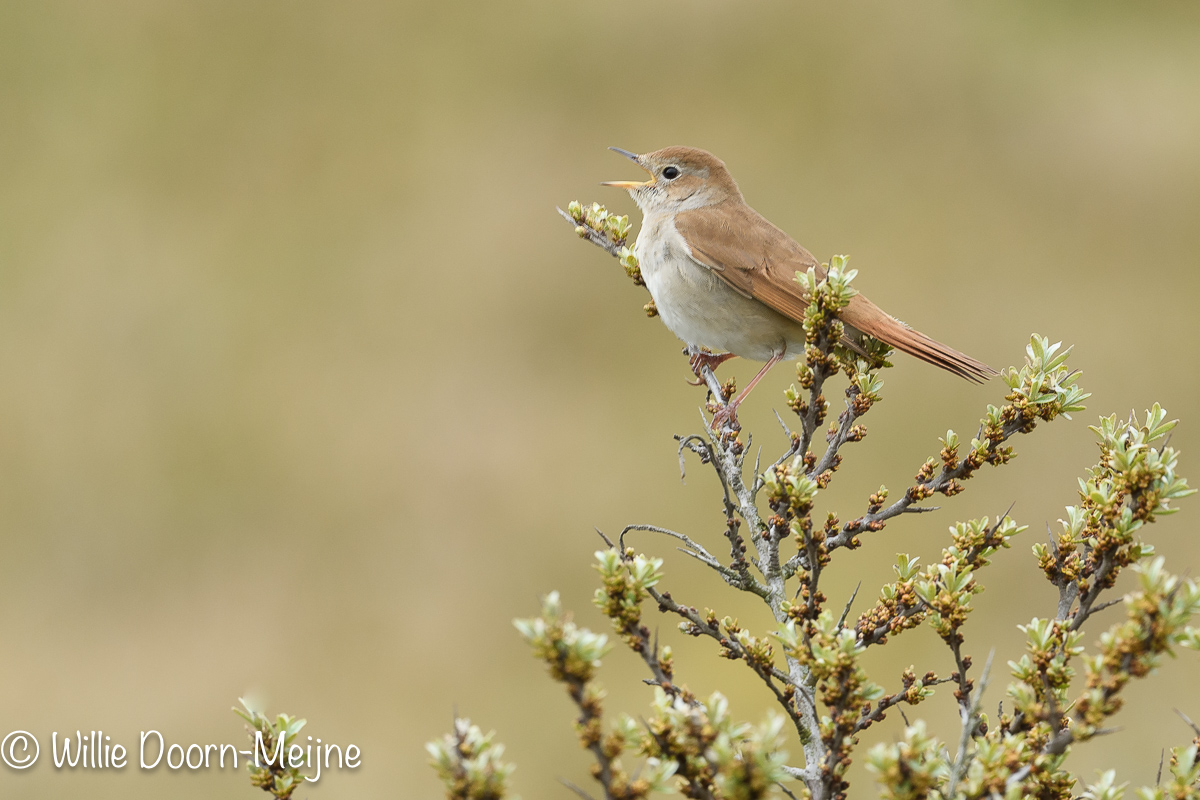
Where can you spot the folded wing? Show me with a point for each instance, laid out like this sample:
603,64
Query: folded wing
759,260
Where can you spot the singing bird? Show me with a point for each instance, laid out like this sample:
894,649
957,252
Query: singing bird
723,277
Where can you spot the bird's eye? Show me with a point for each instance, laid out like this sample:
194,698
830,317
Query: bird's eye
670,173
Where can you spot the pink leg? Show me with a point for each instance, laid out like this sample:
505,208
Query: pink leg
700,360
729,412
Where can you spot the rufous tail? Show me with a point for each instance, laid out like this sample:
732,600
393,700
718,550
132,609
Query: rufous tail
894,332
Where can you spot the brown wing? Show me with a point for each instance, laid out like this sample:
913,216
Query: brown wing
748,253
761,261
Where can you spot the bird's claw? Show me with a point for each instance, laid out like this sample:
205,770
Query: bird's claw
701,359
725,416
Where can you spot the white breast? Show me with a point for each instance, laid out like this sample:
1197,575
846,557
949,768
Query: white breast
699,307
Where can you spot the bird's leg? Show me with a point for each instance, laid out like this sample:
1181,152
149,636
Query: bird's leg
701,359
728,414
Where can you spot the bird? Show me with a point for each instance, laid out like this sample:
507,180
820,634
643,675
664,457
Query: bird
723,278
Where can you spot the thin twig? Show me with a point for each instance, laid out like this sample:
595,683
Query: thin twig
735,650
786,791
970,722
874,521
845,425
575,788
1185,718
692,548
846,611
595,237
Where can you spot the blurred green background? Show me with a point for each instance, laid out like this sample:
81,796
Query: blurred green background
307,391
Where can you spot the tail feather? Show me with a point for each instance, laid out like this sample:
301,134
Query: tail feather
934,352
895,333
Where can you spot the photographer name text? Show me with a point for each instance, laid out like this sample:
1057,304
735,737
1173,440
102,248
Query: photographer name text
96,750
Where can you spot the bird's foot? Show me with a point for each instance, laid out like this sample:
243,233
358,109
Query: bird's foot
726,417
701,359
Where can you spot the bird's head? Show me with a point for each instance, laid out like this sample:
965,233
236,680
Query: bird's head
681,178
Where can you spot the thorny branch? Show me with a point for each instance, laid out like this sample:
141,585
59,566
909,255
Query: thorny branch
947,482
724,452
972,712
698,625
1041,391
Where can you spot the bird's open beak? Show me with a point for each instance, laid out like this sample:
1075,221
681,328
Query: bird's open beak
635,158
